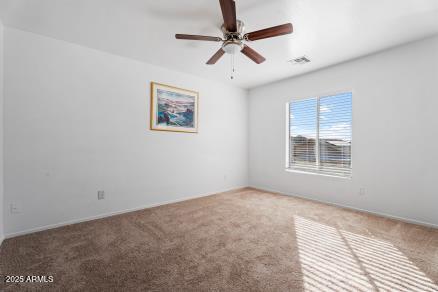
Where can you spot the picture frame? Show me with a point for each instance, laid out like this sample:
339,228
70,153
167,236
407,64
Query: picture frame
173,109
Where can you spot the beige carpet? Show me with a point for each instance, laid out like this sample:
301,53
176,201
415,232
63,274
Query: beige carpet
245,240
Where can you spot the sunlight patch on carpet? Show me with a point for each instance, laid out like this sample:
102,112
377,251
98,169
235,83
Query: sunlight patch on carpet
334,260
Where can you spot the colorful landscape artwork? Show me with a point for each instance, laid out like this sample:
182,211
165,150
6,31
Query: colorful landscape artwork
173,109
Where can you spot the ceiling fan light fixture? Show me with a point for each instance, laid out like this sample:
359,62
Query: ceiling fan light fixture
232,47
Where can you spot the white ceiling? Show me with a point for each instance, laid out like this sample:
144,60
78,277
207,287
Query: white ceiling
328,32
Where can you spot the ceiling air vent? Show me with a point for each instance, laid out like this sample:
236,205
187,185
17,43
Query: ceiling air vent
300,60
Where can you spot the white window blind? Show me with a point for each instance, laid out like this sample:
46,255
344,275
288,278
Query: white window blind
320,134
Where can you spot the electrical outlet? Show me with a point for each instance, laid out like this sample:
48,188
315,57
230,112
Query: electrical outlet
362,192
100,195
13,209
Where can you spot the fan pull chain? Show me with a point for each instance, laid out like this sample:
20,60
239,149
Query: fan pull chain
232,66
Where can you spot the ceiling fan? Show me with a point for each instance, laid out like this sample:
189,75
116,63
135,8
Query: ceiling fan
234,37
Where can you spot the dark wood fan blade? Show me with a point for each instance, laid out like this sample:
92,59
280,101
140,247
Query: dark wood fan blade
216,57
197,37
270,32
229,13
253,55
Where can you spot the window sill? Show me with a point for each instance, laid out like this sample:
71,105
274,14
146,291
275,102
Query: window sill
318,173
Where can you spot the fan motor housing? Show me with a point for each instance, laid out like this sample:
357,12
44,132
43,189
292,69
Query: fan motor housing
238,34
233,40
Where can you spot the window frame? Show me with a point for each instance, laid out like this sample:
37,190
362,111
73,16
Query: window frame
317,172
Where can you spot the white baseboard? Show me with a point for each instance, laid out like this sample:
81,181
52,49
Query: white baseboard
264,189
109,214
406,220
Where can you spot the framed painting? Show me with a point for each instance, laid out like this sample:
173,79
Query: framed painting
173,109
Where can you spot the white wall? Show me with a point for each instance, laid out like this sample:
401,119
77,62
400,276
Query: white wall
1,134
77,121
395,135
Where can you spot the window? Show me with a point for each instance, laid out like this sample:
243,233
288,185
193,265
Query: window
319,136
